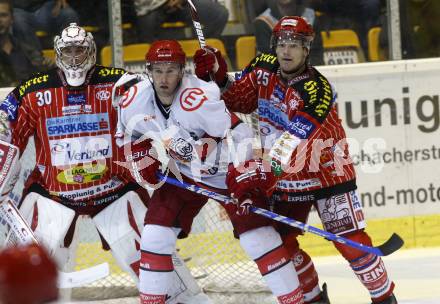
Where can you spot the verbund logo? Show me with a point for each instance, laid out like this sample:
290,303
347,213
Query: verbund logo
60,147
71,151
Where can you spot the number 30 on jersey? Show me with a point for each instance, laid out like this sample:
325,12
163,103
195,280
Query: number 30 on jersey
44,98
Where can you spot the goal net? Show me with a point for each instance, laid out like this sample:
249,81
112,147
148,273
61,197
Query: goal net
212,253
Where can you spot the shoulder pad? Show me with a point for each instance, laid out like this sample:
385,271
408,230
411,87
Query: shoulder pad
210,89
139,93
106,74
37,82
317,93
265,61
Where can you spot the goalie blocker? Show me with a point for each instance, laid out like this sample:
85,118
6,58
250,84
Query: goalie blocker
9,168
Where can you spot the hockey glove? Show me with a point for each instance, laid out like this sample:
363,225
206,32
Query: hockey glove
209,61
5,127
243,205
249,181
143,160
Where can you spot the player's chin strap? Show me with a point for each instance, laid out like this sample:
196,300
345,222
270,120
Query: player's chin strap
392,244
20,233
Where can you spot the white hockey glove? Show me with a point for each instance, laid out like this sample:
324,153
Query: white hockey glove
9,168
5,127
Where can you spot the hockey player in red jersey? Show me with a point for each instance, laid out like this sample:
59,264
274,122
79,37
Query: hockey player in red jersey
304,145
69,113
184,117
27,275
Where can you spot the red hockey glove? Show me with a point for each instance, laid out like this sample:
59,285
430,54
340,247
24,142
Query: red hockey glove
209,61
243,206
143,161
254,199
249,180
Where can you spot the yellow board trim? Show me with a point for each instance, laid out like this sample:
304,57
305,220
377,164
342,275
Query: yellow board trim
221,247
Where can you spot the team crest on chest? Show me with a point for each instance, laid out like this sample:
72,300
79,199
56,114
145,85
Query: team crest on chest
192,98
294,100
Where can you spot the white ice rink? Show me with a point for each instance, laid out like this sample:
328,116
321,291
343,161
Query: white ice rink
416,273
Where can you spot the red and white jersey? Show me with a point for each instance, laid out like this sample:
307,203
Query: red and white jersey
305,107
72,130
197,118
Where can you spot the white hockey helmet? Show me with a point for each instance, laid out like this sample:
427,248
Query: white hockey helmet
75,53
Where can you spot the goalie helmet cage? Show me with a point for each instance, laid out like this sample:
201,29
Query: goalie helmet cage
215,258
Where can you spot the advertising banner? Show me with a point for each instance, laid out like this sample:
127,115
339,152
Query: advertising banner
391,114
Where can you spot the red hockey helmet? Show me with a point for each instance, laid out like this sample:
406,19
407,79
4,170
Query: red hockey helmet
166,51
27,275
292,28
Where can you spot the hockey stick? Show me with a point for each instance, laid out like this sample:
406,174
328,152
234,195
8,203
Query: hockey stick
392,244
198,29
21,233
197,25
83,276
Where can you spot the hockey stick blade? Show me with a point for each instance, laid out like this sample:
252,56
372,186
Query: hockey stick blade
393,244
83,277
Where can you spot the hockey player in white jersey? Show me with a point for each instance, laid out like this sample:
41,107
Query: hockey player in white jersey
183,117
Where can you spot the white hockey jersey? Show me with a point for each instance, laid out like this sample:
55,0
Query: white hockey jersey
205,136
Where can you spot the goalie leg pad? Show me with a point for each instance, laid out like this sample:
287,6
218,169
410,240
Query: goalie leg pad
368,267
50,222
265,247
120,224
